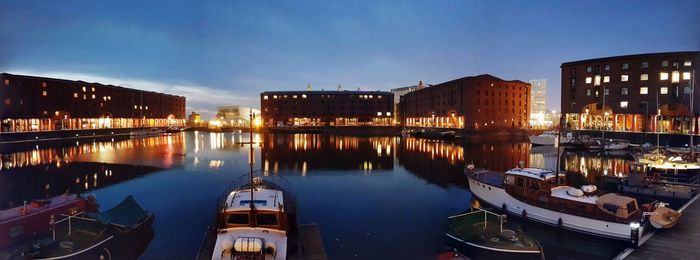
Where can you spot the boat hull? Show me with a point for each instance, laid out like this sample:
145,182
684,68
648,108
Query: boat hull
543,140
476,251
498,197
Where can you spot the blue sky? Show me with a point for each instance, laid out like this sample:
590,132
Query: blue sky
226,52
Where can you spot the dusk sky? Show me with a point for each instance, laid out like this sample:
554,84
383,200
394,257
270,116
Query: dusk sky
227,52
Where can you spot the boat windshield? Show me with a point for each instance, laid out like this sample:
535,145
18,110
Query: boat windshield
238,219
266,219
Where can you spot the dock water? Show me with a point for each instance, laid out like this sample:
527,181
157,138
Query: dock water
311,243
679,242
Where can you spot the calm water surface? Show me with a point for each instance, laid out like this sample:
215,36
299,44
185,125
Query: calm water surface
373,197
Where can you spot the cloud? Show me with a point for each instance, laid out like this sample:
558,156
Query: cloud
202,99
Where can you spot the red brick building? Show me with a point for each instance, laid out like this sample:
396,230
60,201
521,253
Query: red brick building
45,104
632,93
476,102
326,108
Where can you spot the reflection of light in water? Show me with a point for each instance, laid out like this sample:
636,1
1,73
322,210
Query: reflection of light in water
605,172
276,168
379,150
388,149
582,167
215,164
303,169
267,165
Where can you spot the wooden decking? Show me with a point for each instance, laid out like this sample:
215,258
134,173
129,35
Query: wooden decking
679,242
312,244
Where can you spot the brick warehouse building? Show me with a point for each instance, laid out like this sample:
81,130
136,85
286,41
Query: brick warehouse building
45,104
326,108
632,93
476,102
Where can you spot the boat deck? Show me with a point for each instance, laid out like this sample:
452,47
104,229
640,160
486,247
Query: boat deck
84,234
485,230
679,242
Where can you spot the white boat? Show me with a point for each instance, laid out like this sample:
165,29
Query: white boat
548,138
146,132
539,195
616,145
683,150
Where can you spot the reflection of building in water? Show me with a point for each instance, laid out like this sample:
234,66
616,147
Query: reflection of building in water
592,167
302,152
497,156
437,162
36,181
129,151
235,116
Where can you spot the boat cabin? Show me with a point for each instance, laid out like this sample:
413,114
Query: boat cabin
269,210
543,188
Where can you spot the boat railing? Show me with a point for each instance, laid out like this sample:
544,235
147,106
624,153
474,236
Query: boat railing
501,217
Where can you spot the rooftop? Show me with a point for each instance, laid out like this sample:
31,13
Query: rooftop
633,56
537,173
263,199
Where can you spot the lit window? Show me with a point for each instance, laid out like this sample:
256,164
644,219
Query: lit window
686,75
109,97
295,96
625,66
588,92
43,84
644,90
388,113
664,63
274,96
8,101
687,63
265,97
645,64
7,82
675,64
84,97
379,113
285,96
589,69
84,89
75,94
623,91
624,78
141,107
44,93
664,90
607,91
623,104
93,89
644,77
607,67
606,79
379,96
663,76
303,96
146,107
589,80
136,107
93,96
370,96
675,77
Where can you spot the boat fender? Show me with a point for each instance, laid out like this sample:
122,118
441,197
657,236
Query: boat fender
560,222
504,207
525,214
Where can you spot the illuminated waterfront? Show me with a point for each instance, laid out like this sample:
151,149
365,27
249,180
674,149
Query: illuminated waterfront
371,196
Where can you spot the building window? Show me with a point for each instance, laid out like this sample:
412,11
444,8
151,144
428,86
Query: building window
607,91
7,82
265,97
675,77
606,79
274,96
573,83
675,64
623,91
589,80
136,107
625,66
84,89
8,101
624,78
44,93
686,75
93,96
573,71
75,94
294,96
663,76
644,77
589,69
588,92
645,64
687,63
43,84
664,63
84,97
92,89
664,90
303,96
687,90
597,93
623,104
607,67
643,90
146,107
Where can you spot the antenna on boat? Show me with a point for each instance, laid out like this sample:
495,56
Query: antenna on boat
559,146
251,162
692,120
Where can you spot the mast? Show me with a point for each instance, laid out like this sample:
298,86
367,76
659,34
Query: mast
605,119
251,162
692,120
559,147
658,113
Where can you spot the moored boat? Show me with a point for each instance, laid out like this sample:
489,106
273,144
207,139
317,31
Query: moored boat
540,195
549,138
482,234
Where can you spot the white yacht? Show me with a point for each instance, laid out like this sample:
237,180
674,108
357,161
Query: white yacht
548,138
541,195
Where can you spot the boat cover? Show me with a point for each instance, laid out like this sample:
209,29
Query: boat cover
128,213
620,206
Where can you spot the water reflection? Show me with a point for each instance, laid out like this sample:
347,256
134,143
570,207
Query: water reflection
437,162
